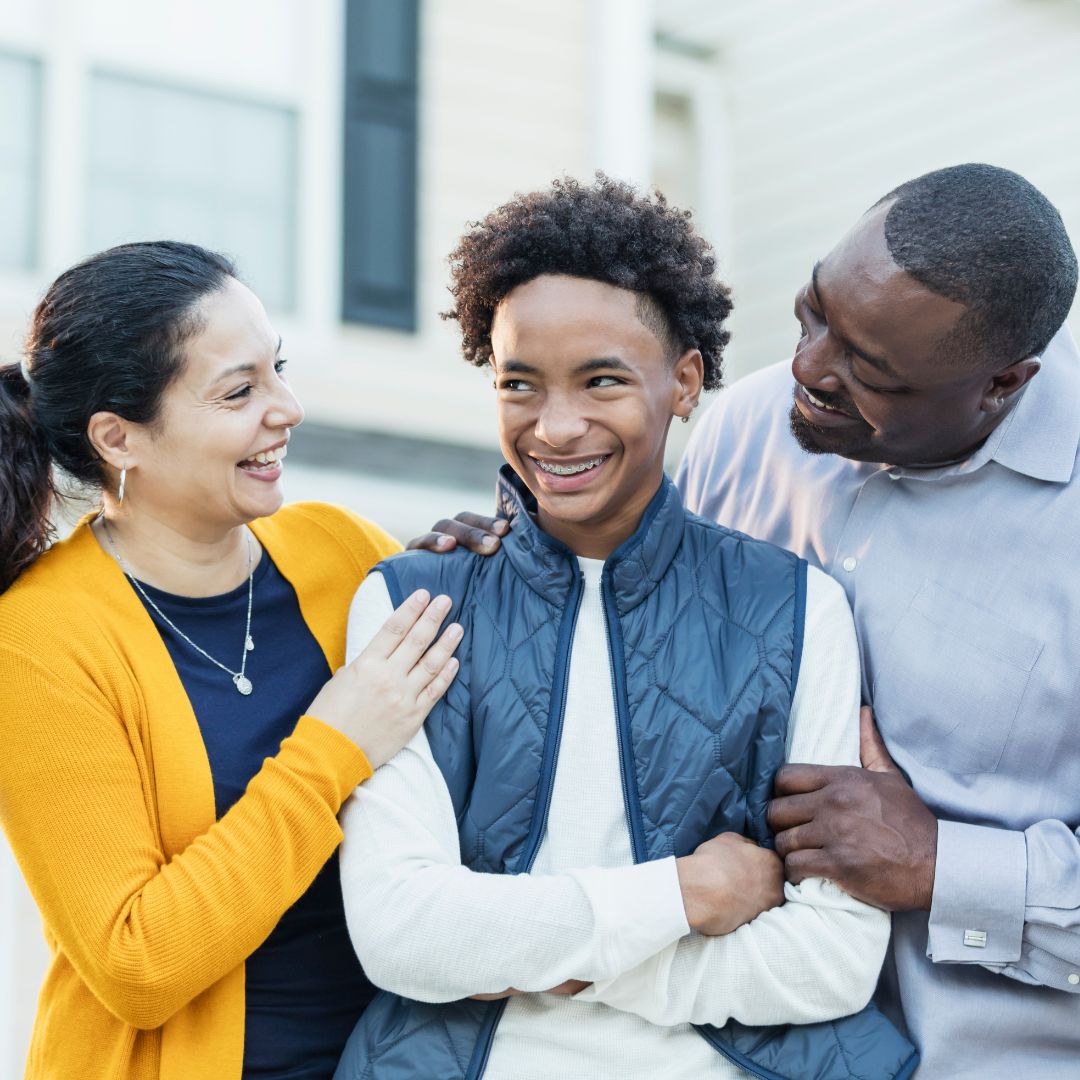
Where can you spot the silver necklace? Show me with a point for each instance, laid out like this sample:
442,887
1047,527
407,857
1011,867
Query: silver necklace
240,680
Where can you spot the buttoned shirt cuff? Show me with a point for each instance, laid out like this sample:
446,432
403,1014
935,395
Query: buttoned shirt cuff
980,893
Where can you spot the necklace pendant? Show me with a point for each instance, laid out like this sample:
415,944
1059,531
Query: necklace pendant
249,645
243,684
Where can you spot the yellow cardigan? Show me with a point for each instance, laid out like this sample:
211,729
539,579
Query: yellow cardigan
150,905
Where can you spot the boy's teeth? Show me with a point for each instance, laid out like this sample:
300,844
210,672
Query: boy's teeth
568,470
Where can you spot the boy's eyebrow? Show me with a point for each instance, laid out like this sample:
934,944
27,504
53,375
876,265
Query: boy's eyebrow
599,363
602,363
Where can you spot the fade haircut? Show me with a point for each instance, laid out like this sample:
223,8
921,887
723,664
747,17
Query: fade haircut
604,231
985,237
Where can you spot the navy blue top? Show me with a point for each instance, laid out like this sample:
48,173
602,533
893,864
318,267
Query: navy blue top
305,987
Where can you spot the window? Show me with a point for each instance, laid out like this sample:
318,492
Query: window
691,137
379,258
167,163
20,120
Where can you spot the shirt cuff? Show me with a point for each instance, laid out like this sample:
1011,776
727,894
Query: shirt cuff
638,910
980,895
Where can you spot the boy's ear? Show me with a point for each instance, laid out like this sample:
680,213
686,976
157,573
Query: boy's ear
689,372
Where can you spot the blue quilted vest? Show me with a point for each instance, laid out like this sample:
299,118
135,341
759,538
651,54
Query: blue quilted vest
705,631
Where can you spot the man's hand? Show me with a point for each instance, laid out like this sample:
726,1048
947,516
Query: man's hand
729,881
472,531
865,829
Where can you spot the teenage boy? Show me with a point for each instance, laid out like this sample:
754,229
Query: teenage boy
588,805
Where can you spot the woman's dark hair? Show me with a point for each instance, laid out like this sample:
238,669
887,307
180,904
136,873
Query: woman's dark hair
604,231
108,336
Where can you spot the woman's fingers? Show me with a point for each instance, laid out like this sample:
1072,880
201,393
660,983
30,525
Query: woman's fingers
410,630
393,631
412,645
438,686
434,660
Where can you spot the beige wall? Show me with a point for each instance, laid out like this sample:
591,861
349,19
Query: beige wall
505,92
831,105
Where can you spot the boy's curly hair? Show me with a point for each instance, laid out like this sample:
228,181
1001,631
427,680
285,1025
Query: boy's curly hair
604,231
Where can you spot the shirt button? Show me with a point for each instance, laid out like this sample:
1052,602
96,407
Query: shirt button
1074,979
849,564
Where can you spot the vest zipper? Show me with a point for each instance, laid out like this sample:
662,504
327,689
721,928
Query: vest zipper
482,1050
630,797
617,664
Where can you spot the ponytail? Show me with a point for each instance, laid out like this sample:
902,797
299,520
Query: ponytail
26,489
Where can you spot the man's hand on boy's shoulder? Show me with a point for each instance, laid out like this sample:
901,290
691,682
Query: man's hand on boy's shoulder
474,532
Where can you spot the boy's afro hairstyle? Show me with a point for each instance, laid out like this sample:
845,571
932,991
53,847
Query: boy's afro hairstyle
604,231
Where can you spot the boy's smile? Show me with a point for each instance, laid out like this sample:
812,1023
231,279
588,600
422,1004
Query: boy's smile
586,394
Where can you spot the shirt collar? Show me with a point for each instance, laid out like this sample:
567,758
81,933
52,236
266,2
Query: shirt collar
1040,436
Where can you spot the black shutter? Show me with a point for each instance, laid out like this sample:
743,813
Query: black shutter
381,60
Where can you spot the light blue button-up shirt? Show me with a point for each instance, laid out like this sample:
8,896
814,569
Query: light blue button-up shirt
965,584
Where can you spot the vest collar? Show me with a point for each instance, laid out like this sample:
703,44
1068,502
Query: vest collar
550,568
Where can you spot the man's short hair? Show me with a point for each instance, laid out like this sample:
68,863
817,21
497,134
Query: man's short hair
604,231
989,239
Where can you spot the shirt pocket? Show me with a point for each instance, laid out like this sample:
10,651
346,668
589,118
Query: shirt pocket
950,688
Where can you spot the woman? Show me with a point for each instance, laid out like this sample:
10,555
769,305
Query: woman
175,748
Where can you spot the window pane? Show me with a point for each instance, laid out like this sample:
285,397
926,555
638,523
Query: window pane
167,163
20,102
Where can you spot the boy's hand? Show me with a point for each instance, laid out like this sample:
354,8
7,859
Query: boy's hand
474,532
729,881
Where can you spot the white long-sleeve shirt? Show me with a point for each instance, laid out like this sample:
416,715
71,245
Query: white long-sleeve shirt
428,928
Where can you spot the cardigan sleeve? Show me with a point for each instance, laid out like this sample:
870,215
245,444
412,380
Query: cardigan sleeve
148,934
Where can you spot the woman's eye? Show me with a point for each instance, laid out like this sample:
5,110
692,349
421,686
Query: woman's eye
280,364
237,395
803,332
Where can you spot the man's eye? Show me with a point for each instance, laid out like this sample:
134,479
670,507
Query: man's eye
605,380
514,384
877,389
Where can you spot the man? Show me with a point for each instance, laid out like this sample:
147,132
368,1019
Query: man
928,462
